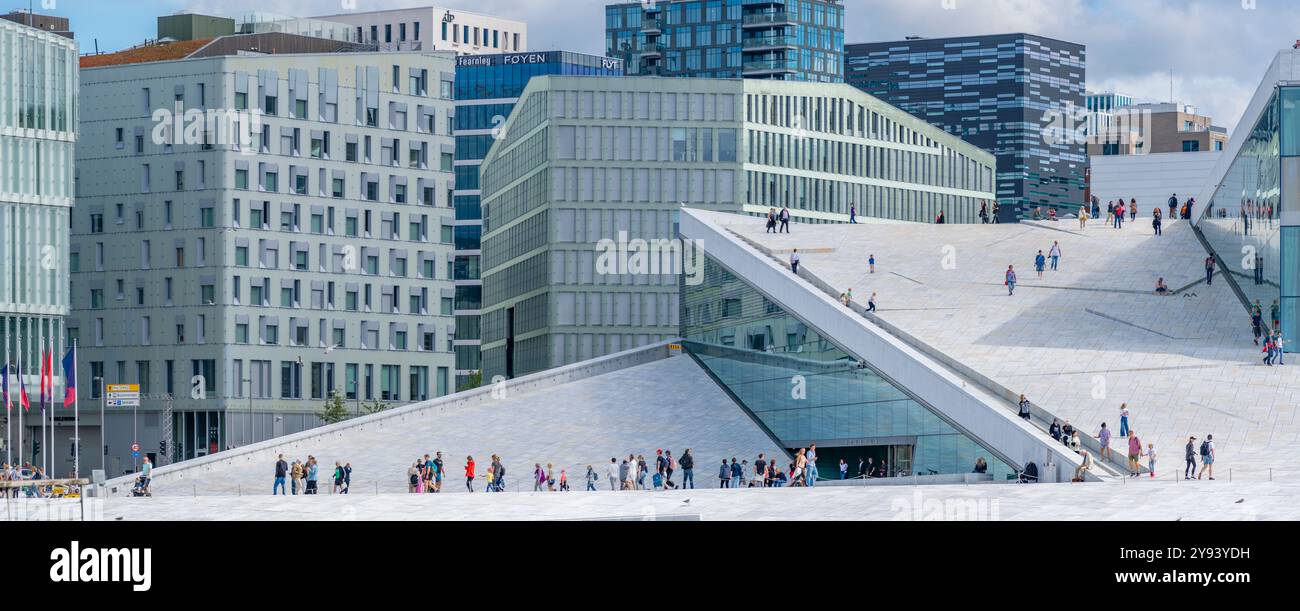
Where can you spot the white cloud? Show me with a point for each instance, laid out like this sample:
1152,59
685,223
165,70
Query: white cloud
1217,48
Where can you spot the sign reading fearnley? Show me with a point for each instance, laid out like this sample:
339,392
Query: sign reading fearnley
105,565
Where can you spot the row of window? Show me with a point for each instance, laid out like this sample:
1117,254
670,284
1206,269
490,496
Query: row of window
254,378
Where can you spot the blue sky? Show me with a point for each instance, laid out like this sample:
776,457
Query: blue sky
1218,49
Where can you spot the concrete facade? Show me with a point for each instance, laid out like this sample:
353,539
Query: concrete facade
297,247
431,28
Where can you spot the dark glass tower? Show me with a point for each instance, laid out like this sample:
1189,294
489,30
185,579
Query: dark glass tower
487,87
997,92
799,40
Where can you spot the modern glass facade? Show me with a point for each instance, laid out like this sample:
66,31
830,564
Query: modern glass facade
592,161
997,92
38,123
805,389
487,87
1251,221
800,40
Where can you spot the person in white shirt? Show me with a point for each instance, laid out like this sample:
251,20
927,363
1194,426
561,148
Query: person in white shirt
794,262
1055,254
611,471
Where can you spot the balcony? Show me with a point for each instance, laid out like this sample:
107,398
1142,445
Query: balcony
651,49
651,25
768,20
778,41
769,66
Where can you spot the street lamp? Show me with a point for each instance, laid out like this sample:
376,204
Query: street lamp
103,424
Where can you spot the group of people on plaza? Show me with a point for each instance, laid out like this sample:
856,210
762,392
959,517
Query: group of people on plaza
779,221
1117,210
302,476
26,472
1274,346
1068,435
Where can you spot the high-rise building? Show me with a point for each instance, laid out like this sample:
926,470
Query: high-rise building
430,28
487,87
589,165
1003,93
797,40
258,232
38,138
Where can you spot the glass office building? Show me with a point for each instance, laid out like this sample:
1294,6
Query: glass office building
487,88
999,93
803,388
798,40
1251,221
38,125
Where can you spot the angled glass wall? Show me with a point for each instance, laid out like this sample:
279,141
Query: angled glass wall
1242,222
805,389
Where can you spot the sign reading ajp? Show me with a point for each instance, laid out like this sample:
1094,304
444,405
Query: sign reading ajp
122,395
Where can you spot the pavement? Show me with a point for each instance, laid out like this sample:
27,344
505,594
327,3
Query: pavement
1163,499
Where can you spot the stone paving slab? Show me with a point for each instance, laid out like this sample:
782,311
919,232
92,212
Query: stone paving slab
1164,500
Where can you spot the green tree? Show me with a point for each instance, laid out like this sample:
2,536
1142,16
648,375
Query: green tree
335,410
375,407
472,381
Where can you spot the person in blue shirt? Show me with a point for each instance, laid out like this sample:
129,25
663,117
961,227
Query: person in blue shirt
1039,262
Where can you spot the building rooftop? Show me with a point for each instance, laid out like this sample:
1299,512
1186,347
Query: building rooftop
145,54
668,403
1082,340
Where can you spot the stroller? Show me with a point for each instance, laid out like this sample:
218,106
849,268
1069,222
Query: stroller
141,487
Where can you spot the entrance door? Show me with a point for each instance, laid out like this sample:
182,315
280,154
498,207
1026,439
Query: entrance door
510,343
901,460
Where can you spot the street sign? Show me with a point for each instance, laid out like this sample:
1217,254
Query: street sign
122,402
112,388
135,447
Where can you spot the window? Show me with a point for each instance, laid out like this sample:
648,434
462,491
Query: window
1191,146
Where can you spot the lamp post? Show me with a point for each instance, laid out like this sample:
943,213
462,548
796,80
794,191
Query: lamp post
103,425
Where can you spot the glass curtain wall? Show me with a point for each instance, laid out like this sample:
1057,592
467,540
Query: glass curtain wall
805,389
1242,221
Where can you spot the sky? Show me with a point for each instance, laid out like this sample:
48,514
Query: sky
1217,49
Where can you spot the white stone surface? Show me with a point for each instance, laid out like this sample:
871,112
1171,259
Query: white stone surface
1163,499
1081,340
670,404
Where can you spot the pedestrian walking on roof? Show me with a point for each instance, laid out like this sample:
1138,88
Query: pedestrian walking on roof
1134,454
794,262
1010,281
1103,438
1123,420
1024,408
1190,469
785,219
1207,457
1055,254
1039,262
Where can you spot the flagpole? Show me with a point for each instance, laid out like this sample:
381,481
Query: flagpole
9,413
76,415
19,346
45,450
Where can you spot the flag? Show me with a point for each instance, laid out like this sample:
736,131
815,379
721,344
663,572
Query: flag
4,383
47,378
22,391
70,378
